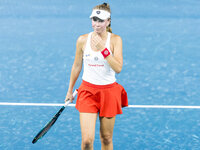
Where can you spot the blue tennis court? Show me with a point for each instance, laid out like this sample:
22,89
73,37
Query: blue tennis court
161,68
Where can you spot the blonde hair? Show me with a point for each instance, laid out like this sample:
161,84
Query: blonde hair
106,7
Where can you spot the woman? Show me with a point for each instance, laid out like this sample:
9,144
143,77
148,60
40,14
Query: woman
101,53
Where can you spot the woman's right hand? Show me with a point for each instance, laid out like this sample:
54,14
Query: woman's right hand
69,96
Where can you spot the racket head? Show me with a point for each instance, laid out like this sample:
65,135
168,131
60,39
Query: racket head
46,128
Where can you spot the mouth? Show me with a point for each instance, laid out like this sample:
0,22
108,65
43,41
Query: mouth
97,28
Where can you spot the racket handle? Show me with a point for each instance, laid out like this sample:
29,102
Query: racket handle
68,101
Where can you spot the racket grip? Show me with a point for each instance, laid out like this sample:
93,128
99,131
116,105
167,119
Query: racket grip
74,94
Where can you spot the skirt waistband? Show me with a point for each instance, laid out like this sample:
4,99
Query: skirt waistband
99,86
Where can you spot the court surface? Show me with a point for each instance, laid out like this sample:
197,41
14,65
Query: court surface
161,68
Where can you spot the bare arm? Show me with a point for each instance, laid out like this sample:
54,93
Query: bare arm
77,66
116,60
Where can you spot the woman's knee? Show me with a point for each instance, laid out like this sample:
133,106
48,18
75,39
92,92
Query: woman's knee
87,142
106,139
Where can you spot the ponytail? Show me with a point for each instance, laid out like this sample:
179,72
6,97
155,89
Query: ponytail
108,28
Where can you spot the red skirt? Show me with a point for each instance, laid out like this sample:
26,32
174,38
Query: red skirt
107,100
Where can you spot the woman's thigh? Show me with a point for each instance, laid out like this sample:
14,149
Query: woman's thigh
88,122
107,126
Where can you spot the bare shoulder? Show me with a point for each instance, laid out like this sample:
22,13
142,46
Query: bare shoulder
82,39
116,41
115,38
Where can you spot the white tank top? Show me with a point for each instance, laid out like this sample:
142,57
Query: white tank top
96,69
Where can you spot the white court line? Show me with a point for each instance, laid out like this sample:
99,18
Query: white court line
33,104
164,106
130,106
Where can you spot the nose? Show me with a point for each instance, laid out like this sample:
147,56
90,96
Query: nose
97,23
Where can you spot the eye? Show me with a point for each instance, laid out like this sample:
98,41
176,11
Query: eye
101,20
94,19
97,19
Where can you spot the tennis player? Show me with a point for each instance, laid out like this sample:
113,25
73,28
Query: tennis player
99,94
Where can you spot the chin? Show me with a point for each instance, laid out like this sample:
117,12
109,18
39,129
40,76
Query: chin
98,31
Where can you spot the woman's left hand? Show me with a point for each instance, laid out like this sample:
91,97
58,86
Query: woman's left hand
98,42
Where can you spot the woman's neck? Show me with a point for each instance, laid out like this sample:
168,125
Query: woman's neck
103,35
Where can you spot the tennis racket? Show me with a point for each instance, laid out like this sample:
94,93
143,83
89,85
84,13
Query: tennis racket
46,128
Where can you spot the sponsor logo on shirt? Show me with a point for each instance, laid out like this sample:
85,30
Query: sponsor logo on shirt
87,55
95,65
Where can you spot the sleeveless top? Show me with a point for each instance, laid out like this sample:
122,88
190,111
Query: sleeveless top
96,69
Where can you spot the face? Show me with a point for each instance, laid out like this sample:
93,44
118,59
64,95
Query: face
99,25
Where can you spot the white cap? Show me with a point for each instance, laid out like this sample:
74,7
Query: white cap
101,14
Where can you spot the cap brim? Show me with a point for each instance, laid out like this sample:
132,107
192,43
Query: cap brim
101,14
